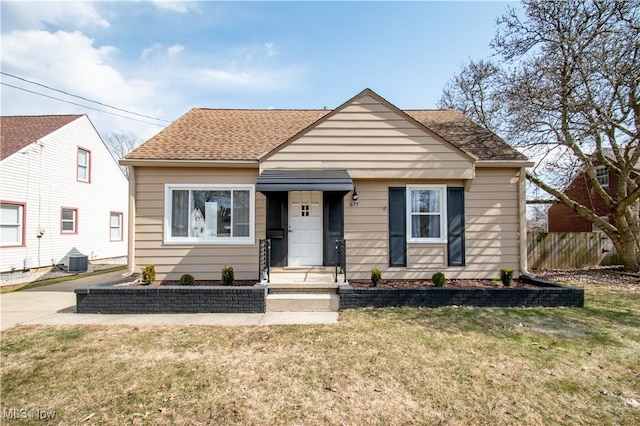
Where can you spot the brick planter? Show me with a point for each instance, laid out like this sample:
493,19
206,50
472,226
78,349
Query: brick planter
109,299
547,295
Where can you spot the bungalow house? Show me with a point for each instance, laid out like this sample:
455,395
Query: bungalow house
63,195
411,192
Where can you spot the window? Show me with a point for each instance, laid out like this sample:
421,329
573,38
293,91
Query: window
602,175
69,221
84,165
12,216
115,226
426,214
209,214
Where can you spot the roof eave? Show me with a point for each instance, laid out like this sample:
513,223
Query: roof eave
140,162
505,163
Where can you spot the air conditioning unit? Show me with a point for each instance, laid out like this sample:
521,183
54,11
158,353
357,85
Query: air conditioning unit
78,263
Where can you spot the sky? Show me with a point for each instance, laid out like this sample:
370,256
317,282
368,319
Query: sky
161,58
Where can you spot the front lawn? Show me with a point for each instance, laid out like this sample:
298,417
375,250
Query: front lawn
377,366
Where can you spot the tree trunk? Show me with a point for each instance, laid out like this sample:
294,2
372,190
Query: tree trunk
626,241
626,248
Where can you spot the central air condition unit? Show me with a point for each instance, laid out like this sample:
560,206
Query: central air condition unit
78,263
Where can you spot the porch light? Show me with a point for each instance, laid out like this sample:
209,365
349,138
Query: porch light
354,196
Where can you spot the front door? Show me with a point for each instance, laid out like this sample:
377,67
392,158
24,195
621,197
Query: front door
305,228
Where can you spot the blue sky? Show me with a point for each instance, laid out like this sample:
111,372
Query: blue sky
162,58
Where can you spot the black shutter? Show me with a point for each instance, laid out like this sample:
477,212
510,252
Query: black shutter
397,227
455,225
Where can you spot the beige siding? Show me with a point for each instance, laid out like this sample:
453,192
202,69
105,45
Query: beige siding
372,141
204,262
491,228
491,219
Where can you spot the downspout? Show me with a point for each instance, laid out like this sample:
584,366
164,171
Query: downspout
522,210
131,243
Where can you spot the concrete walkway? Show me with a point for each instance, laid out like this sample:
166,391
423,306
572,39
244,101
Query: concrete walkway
55,305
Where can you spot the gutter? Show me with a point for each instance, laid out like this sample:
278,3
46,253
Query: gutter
522,214
131,240
189,163
505,163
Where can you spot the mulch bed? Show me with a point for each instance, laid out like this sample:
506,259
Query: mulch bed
384,284
450,283
236,283
211,283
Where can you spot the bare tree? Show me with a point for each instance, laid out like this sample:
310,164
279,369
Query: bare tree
571,99
574,94
475,92
120,144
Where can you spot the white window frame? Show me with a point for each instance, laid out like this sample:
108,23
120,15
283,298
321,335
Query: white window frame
601,177
168,211
443,213
119,228
86,167
20,225
74,220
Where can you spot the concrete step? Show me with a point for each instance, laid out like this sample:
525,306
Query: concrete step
303,302
302,288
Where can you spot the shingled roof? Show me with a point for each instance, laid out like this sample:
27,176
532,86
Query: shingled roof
235,135
225,134
16,132
460,131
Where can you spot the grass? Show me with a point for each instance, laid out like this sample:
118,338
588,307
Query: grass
390,366
42,283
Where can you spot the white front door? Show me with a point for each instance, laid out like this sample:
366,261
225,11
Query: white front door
305,228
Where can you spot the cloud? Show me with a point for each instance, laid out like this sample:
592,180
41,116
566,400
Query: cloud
175,49
271,50
148,52
258,79
177,6
158,53
23,15
71,62
242,78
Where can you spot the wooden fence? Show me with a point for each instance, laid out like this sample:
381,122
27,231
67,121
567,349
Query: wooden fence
563,250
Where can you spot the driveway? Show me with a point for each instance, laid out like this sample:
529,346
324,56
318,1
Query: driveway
28,305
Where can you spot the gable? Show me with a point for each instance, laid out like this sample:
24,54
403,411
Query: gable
16,132
372,139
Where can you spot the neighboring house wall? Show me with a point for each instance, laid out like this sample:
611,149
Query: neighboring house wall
43,176
204,261
562,219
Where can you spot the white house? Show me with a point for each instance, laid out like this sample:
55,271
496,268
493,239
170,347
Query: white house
62,193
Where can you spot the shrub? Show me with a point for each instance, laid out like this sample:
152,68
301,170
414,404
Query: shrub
149,274
376,276
506,276
227,275
438,279
186,279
